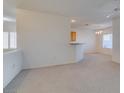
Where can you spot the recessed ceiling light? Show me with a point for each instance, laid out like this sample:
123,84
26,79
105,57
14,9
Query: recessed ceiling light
73,21
108,16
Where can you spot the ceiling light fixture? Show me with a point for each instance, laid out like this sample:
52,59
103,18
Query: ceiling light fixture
73,21
100,32
108,16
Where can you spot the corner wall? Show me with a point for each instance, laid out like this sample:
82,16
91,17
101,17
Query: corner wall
116,39
44,39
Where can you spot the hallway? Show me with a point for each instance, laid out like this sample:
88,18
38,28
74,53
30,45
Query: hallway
95,74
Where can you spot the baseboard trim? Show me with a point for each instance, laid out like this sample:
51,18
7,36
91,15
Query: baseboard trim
52,65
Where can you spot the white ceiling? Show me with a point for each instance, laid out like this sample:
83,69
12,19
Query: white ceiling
90,12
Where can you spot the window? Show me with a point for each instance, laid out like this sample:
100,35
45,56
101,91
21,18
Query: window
9,40
107,40
5,40
12,39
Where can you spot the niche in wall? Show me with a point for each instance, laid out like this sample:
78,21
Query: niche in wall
73,36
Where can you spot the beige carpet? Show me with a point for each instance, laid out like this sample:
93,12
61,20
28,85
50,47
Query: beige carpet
95,74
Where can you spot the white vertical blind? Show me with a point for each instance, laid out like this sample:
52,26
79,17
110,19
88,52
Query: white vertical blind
12,39
107,40
9,40
5,40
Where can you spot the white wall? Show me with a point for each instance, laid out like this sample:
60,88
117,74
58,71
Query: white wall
12,65
9,26
44,39
88,37
99,42
116,39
